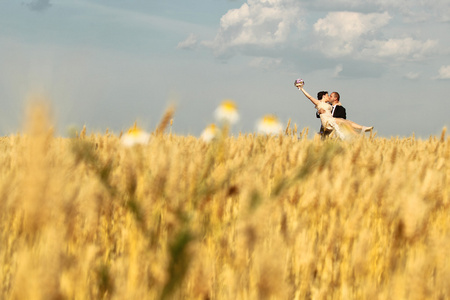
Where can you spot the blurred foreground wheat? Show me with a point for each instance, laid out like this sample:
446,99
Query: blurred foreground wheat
248,217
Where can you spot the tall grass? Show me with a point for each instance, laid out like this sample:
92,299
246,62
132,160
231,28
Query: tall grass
246,217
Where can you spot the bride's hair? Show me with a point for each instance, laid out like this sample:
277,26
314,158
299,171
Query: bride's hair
321,94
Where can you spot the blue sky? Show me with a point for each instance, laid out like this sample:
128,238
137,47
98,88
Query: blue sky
107,64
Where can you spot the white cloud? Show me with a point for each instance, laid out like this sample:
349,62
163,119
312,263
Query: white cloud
411,11
339,33
350,25
414,11
444,72
265,63
412,75
260,23
353,34
406,48
337,70
189,43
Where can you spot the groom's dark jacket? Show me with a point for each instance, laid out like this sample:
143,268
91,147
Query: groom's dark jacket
339,112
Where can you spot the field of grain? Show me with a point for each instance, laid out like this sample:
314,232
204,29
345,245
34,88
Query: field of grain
242,217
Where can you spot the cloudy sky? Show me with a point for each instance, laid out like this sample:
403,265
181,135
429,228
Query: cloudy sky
106,64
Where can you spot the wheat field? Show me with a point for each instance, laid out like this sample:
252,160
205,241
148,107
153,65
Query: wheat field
243,217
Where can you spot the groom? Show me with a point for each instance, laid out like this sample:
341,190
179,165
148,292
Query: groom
337,110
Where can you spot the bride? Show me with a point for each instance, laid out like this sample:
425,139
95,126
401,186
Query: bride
341,126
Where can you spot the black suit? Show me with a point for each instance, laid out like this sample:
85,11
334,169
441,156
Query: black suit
338,112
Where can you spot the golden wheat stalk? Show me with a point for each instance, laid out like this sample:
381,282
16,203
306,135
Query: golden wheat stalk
165,120
287,127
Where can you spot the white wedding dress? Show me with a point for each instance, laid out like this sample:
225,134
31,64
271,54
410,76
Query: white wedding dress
330,123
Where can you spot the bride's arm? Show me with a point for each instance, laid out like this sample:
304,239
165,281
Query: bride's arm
312,99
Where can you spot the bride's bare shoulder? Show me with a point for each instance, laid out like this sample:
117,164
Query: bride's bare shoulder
322,103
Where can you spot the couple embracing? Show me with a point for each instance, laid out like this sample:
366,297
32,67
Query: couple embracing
332,114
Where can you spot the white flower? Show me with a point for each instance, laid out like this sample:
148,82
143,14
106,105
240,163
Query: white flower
135,136
269,124
209,133
227,112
